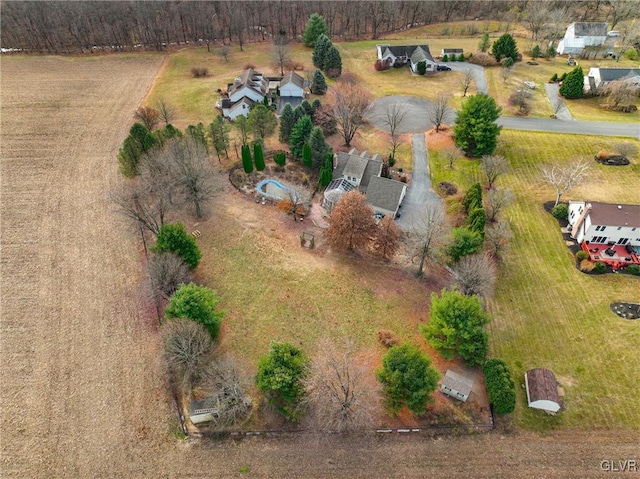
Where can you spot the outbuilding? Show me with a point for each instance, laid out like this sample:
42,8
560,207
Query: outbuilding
456,385
542,390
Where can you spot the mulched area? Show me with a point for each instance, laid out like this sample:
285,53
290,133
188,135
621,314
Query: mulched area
626,310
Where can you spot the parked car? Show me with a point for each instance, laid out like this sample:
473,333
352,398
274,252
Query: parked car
443,68
530,84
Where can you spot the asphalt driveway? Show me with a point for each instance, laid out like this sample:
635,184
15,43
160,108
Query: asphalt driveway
418,118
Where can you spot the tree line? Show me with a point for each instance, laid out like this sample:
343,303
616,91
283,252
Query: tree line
71,27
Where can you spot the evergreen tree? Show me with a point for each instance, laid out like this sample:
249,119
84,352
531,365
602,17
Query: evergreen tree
262,121
307,108
315,105
300,135
475,130
287,122
464,242
219,133
500,386
445,58
319,148
306,155
483,46
173,238
198,304
476,220
422,68
333,62
280,158
505,47
573,85
316,26
318,83
298,113
139,141
197,132
258,156
247,164
472,198
320,50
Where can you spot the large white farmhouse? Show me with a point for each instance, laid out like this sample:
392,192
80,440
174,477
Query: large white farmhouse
582,34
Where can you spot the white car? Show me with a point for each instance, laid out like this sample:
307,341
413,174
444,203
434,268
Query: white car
530,84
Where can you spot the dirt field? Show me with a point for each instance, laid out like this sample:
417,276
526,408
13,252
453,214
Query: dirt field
82,391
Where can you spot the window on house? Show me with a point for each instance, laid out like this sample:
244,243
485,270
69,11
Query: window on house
602,228
572,214
619,228
623,240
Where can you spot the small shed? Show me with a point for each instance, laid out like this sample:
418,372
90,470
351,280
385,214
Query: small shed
542,390
204,410
456,385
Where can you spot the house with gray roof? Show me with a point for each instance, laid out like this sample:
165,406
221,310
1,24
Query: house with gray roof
599,77
353,170
399,55
584,34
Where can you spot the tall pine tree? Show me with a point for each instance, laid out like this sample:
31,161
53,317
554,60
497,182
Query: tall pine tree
258,157
333,62
300,135
319,148
287,122
306,155
316,26
247,164
320,50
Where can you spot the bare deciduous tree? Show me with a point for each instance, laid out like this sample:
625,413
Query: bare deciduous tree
440,110
506,73
393,119
385,241
226,388
149,117
465,81
537,15
167,272
475,274
564,177
187,349
146,210
626,149
351,224
450,155
494,166
224,52
280,53
427,234
622,10
497,236
166,111
497,200
629,32
340,395
620,92
348,104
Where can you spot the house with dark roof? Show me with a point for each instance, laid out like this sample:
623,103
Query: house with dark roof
542,390
584,34
599,77
364,172
609,232
456,385
399,55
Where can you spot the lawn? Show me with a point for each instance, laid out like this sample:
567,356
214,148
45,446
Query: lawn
545,312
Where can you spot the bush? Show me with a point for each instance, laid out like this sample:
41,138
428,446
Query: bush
453,58
447,189
582,255
422,68
387,338
631,54
381,66
280,158
560,211
198,304
445,58
554,78
599,267
461,57
562,77
500,386
173,238
249,65
633,269
199,72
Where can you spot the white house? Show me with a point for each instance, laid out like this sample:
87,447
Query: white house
604,223
599,77
542,390
610,233
250,84
583,34
353,170
456,385
397,55
292,85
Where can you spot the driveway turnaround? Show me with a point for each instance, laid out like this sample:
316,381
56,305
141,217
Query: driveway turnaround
477,71
420,193
417,119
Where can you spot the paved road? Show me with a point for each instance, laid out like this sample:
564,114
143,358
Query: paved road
420,193
418,121
557,103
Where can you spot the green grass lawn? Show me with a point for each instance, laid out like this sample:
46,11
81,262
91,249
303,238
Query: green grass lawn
546,313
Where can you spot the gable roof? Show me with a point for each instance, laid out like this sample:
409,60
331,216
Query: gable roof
373,169
590,29
457,382
542,385
611,214
408,51
243,101
421,54
611,74
292,77
385,193
250,79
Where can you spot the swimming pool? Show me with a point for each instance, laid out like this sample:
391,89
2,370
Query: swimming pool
272,189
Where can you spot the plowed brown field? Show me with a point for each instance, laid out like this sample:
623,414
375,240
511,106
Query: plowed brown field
81,387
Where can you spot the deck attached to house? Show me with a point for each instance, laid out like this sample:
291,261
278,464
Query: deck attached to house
616,256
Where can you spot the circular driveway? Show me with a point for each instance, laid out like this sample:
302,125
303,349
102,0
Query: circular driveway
417,119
